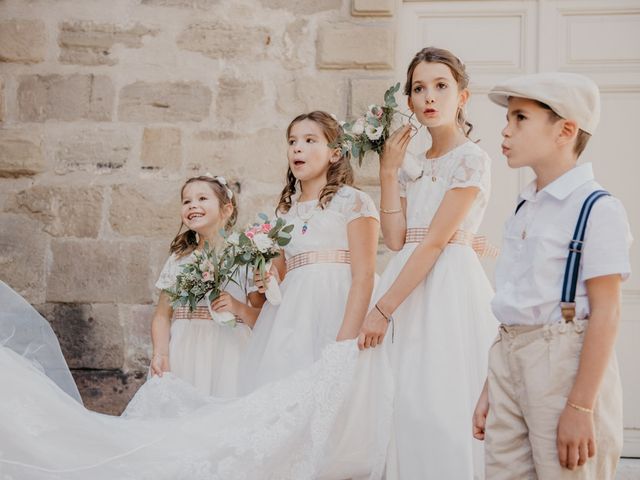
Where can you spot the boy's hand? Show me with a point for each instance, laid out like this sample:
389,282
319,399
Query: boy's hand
226,303
576,438
480,414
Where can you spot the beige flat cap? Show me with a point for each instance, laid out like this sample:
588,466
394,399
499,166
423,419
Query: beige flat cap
572,96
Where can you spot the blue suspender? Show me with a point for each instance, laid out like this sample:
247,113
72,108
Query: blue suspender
567,303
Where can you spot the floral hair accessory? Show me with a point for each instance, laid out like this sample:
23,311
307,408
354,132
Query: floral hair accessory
222,181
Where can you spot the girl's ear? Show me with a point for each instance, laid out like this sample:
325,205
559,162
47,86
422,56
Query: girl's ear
464,97
336,153
227,210
410,103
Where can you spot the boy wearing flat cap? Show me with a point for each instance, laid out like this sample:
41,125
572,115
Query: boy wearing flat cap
552,404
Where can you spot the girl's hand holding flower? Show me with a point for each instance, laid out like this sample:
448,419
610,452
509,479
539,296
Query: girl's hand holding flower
226,303
395,149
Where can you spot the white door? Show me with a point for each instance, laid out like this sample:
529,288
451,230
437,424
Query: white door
599,38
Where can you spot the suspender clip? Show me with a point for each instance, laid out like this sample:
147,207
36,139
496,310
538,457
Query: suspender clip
568,310
575,246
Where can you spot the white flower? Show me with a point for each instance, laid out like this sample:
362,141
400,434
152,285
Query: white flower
262,242
234,239
358,127
221,180
374,133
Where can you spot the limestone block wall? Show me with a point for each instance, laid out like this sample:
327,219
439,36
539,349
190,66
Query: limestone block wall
105,109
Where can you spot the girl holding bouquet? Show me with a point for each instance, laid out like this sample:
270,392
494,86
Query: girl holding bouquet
198,346
434,290
329,264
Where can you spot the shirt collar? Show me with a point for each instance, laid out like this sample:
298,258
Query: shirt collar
563,186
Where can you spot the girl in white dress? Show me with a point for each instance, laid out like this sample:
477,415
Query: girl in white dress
434,289
193,346
329,263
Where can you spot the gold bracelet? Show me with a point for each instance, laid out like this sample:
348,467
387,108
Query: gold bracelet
579,408
382,210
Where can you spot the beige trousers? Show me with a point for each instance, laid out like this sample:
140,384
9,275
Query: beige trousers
531,372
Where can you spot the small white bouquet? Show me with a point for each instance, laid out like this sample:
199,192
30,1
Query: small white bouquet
368,133
257,246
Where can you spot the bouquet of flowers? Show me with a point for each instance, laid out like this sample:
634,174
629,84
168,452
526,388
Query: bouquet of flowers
257,246
205,277
370,131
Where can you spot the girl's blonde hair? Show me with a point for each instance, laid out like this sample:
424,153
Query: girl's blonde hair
458,70
340,173
186,242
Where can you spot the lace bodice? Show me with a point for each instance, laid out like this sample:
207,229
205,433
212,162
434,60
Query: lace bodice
465,166
326,229
172,268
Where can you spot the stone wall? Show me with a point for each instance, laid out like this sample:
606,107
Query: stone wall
106,107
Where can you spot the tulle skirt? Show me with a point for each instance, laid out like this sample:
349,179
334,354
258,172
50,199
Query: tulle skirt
207,355
292,335
443,332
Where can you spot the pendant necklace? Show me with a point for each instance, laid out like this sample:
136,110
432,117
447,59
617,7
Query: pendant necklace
306,217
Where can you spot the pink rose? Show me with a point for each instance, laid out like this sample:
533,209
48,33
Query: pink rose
205,276
266,227
249,234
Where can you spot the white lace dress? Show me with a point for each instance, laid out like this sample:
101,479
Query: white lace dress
443,331
201,351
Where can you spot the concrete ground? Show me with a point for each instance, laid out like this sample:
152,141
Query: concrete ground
629,469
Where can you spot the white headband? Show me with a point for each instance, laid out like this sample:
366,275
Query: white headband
221,181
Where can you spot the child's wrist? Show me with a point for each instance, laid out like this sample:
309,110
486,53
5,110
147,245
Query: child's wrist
388,173
579,408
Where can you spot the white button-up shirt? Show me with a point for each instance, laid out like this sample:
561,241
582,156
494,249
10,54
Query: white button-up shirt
531,265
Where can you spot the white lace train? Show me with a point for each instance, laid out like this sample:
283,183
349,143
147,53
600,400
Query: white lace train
299,428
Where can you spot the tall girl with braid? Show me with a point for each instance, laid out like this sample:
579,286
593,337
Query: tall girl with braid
434,293
189,343
329,265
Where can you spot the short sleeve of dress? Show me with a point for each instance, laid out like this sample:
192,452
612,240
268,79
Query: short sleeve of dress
473,169
357,204
168,274
410,171
607,241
